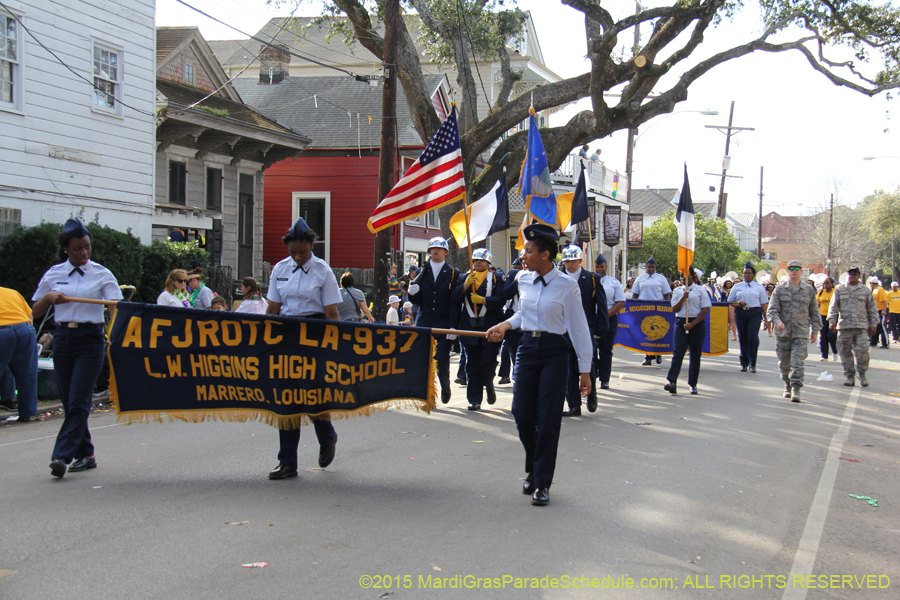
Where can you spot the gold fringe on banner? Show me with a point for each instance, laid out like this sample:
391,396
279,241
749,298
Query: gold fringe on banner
279,421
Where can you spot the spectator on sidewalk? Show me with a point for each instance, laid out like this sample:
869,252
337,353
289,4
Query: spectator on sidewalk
18,356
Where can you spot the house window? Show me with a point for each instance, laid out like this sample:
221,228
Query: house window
189,74
177,183
10,77
214,189
107,75
433,220
315,207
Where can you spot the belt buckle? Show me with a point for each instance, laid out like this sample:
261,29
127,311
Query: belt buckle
536,334
72,325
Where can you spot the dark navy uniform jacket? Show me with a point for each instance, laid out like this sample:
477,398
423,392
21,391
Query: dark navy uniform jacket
593,299
433,298
494,303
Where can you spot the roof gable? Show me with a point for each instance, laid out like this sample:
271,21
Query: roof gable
177,46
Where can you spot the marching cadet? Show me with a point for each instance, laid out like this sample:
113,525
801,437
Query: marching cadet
651,286
750,303
303,285
551,308
479,300
79,344
615,302
430,291
794,314
691,304
853,315
593,301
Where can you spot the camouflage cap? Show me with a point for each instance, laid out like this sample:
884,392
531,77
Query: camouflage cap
794,263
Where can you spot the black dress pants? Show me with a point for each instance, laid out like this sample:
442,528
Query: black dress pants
687,340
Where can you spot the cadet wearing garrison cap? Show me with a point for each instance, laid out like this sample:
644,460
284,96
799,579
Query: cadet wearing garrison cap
303,285
551,308
79,345
651,286
615,301
750,306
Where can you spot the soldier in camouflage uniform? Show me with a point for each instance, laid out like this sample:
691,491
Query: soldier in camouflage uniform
853,314
794,313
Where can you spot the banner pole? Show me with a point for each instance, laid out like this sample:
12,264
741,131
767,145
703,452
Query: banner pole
93,301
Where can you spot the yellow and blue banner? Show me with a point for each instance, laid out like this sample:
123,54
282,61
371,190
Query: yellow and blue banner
648,327
198,365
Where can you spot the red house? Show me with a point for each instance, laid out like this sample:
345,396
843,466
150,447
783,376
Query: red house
334,183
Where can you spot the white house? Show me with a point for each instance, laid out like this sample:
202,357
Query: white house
77,123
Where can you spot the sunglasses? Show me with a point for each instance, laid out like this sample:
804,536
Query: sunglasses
181,281
795,268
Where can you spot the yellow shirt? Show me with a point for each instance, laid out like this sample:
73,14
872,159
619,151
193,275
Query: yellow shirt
893,300
14,309
824,300
878,294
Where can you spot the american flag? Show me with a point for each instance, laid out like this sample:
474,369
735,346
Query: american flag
435,179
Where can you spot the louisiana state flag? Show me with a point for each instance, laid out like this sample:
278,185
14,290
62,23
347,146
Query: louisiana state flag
684,224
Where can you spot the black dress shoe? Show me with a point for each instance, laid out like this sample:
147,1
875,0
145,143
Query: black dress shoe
326,453
528,486
647,362
541,497
504,381
283,471
57,468
604,385
460,381
658,359
572,412
445,396
83,464
592,402
693,389
743,369
752,368
670,387
491,395
474,407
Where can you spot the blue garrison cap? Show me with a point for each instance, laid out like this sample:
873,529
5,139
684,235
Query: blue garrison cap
750,266
75,228
540,230
600,259
651,261
298,229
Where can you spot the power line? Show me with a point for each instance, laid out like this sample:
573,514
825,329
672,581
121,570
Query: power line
253,37
73,71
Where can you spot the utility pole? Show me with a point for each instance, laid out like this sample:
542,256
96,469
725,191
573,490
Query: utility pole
759,223
629,153
726,160
383,252
830,225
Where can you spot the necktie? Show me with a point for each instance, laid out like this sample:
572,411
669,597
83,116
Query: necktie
78,270
540,278
299,267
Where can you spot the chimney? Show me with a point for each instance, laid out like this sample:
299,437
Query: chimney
274,62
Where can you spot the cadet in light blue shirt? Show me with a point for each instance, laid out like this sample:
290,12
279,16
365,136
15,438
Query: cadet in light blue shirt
691,305
750,306
651,286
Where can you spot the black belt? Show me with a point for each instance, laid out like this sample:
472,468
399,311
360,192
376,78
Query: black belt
314,316
537,334
74,325
749,307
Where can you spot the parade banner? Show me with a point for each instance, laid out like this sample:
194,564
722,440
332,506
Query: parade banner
635,231
198,365
648,327
612,225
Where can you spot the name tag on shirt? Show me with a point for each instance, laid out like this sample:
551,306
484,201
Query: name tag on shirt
282,279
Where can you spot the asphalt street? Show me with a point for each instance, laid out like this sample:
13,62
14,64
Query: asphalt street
733,493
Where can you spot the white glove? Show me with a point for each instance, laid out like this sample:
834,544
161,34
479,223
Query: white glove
413,289
451,336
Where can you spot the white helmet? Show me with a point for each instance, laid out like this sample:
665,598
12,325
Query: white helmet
571,253
481,254
438,242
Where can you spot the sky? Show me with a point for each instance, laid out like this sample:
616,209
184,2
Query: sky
810,136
